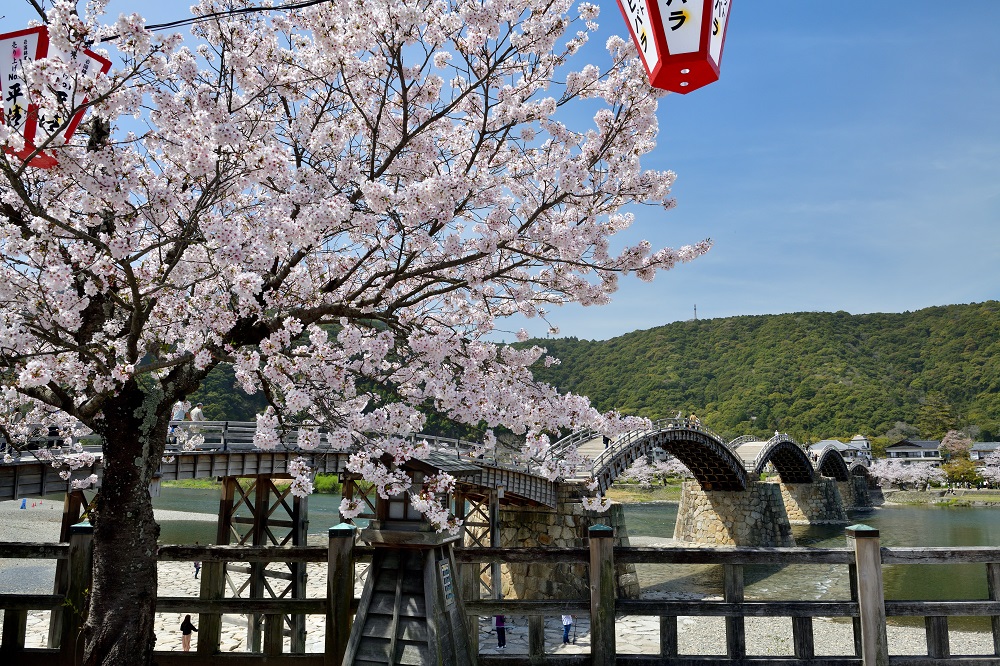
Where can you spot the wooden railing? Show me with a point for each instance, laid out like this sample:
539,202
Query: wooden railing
866,606
69,601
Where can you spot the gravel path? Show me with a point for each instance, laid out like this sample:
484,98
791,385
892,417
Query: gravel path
696,636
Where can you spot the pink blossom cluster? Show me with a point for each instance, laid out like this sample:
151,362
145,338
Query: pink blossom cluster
645,473
896,473
990,469
302,485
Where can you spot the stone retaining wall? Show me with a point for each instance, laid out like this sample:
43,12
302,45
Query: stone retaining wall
816,502
752,517
566,526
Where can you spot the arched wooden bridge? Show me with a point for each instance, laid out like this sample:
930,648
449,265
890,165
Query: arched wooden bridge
228,451
715,464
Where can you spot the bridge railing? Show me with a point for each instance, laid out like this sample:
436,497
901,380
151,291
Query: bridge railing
743,439
337,605
625,441
238,436
866,606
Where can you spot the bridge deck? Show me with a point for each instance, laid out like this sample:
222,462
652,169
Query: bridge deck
222,456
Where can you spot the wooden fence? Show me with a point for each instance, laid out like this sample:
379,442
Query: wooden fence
866,606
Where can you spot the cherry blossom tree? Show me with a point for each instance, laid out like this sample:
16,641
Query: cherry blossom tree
990,469
343,201
956,445
896,473
645,473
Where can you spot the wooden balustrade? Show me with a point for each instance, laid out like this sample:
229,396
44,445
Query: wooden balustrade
863,556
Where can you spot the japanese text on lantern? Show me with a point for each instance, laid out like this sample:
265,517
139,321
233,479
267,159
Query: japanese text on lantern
14,54
38,116
638,18
720,14
683,21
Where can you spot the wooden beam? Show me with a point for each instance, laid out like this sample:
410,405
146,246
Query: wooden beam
871,601
993,585
602,595
340,591
736,643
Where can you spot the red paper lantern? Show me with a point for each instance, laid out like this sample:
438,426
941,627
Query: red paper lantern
26,116
680,41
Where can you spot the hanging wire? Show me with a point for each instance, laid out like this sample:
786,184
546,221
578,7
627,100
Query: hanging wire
229,12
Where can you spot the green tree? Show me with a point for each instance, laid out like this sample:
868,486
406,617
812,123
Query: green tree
935,416
961,471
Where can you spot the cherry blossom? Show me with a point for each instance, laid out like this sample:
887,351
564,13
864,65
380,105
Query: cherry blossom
346,202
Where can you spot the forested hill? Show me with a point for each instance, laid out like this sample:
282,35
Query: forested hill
815,375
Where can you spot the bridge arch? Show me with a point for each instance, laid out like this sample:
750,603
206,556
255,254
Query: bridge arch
858,468
712,463
783,453
789,459
831,463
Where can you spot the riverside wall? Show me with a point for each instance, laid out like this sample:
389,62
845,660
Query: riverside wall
752,517
564,526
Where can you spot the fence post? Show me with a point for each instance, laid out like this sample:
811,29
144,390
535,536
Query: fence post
602,595
15,625
274,624
536,639
468,575
993,584
871,600
213,587
736,642
81,550
340,592
74,505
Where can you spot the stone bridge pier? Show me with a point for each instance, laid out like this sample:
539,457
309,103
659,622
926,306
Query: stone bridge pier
855,492
752,517
564,526
816,502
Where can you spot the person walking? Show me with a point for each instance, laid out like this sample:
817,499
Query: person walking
501,633
197,414
179,410
567,621
186,628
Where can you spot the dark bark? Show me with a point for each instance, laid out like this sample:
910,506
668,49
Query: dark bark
119,625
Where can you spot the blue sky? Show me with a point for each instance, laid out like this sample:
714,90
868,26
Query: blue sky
848,159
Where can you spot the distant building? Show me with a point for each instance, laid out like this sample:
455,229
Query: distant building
859,448
915,450
980,450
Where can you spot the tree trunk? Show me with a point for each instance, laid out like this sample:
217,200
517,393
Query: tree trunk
119,625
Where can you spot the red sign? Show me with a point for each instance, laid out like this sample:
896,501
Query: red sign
680,42
37,119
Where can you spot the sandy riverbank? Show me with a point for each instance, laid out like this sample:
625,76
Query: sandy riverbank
696,636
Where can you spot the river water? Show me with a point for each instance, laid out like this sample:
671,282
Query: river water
898,526
902,526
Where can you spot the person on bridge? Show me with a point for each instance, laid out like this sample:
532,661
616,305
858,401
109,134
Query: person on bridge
186,628
567,622
179,411
197,414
